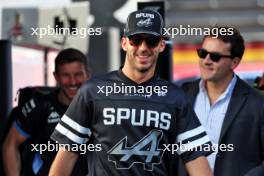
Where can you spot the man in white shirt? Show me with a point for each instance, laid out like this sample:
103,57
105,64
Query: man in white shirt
230,110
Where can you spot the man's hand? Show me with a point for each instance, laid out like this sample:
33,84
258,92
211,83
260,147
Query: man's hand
199,167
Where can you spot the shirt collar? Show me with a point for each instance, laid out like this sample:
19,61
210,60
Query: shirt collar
228,90
231,86
155,77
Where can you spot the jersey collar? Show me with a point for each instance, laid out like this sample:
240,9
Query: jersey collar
130,81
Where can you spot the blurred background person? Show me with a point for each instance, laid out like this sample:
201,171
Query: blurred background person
39,116
259,83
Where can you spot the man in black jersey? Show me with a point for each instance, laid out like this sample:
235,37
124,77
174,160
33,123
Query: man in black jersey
40,115
132,119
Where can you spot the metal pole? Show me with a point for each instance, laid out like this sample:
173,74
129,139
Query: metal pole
46,51
5,79
5,89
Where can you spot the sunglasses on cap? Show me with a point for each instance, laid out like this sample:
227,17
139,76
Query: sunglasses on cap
214,56
152,41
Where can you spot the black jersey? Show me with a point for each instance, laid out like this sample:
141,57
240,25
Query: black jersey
135,128
38,120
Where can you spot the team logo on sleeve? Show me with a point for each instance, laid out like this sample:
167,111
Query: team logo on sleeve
145,151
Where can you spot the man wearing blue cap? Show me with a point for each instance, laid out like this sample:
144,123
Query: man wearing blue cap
136,119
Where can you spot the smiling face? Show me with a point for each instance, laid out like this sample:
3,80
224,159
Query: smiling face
221,70
142,56
70,76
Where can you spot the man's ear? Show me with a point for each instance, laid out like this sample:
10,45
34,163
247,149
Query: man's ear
55,76
124,43
235,62
162,46
88,74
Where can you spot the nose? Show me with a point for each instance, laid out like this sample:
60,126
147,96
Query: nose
73,80
207,59
143,45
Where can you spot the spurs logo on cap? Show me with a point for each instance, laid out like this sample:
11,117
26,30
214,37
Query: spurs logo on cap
146,23
145,15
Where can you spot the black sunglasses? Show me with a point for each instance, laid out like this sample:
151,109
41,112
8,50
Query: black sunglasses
214,56
151,41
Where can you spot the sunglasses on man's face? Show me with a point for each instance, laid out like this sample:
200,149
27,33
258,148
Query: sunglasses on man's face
214,56
151,41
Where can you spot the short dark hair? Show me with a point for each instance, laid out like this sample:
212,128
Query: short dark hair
235,39
70,55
